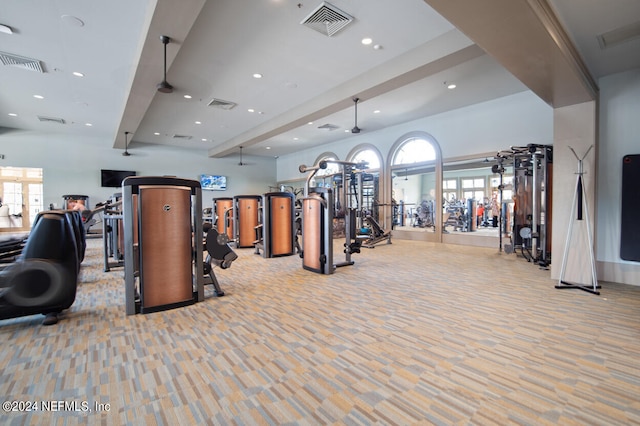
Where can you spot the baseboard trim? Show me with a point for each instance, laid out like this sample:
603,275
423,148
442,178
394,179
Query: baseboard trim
623,273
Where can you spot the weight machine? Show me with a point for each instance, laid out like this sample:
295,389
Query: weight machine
163,249
223,214
531,222
318,214
112,233
246,219
360,189
456,215
276,232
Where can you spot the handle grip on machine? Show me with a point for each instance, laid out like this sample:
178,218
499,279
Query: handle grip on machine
304,168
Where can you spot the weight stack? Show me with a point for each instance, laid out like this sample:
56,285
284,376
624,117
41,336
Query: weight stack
163,250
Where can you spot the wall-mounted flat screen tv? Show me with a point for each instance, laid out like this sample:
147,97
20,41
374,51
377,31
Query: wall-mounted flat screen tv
114,178
213,182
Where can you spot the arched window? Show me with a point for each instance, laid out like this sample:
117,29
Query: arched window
368,156
332,168
414,150
369,192
414,162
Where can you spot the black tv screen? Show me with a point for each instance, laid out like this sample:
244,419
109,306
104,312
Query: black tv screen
114,178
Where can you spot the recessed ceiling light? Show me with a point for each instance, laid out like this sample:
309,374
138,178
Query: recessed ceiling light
310,123
88,124
187,96
347,131
377,47
156,133
203,139
267,147
367,41
13,114
257,75
251,110
72,21
38,96
198,122
376,111
77,74
451,86
295,139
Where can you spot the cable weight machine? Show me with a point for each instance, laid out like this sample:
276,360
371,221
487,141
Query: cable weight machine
318,213
531,221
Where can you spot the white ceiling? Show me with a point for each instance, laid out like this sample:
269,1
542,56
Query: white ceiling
307,77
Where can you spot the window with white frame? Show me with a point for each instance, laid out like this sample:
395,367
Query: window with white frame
473,188
368,156
450,189
414,150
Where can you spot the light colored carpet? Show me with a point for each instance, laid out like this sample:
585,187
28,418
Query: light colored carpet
413,333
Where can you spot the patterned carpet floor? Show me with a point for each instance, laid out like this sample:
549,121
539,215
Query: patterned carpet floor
412,333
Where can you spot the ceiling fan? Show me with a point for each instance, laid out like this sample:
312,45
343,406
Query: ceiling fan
126,144
164,86
356,129
241,163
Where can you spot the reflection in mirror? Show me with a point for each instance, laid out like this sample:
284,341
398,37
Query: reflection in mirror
413,197
369,190
471,197
413,185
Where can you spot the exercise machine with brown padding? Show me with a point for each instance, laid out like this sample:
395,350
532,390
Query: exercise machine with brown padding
246,210
223,211
318,216
276,235
317,230
163,243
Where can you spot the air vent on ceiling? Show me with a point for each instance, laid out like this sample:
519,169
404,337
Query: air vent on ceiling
619,35
219,103
328,127
51,119
183,137
21,62
327,19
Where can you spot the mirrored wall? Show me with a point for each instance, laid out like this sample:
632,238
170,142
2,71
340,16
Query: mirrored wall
475,201
414,166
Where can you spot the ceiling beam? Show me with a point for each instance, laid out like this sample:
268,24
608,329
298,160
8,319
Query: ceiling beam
170,18
527,39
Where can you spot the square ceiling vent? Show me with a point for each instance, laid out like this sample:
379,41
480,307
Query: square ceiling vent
219,103
21,62
57,120
329,127
327,19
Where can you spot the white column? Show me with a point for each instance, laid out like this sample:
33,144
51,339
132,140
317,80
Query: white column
574,126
